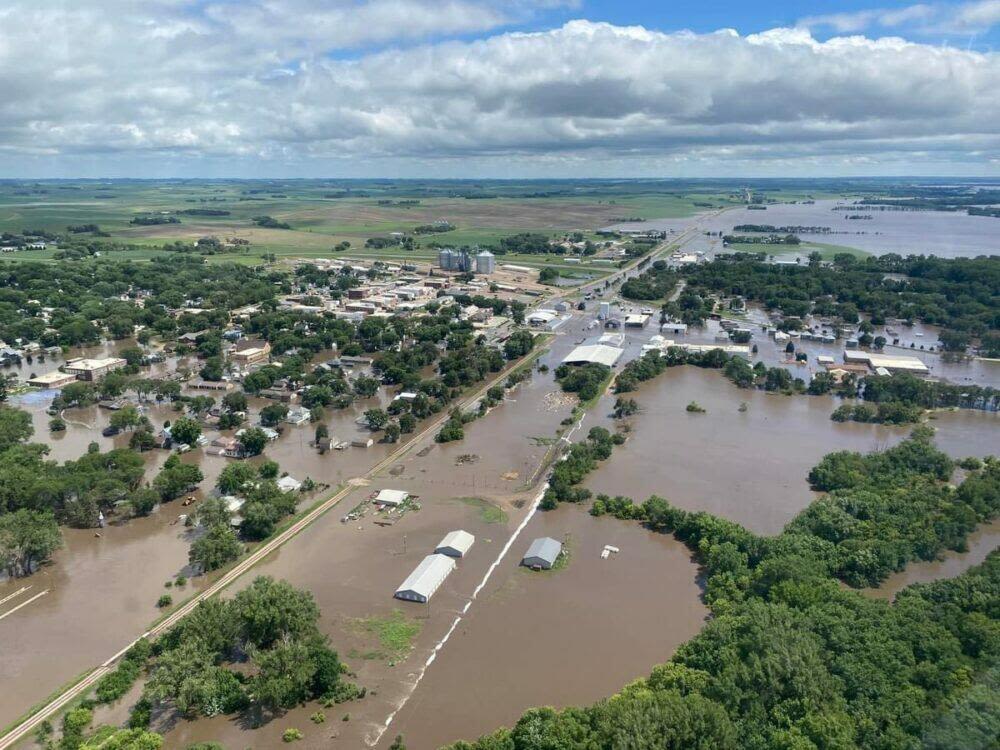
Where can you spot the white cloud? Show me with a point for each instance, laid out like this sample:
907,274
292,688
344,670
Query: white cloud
226,85
922,19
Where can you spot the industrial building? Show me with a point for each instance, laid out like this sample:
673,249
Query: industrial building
636,320
542,553
92,369
542,317
486,262
391,497
425,579
892,363
593,353
455,544
454,260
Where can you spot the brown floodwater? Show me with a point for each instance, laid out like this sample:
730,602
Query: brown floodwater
122,569
980,544
558,638
531,634
749,466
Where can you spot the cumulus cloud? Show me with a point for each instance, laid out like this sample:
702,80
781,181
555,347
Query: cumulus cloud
297,83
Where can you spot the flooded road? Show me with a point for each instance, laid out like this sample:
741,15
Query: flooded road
560,637
749,466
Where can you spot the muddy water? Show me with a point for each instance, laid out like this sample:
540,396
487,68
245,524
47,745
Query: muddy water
981,543
946,234
749,466
54,638
564,637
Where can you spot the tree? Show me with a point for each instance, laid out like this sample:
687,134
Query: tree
213,369
269,611
235,401
235,477
365,387
213,511
185,430
125,418
143,501
268,470
15,427
27,539
173,481
273,414
322,433
397,744
376,419
216,548
391,434
407,423
253,441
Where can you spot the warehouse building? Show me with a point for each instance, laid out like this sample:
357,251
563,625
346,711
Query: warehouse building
391,497
542,554
593,353
425,579
455,544
892,363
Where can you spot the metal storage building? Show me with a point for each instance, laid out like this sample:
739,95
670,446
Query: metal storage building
455,544
425,579
542,553
391,497
593,353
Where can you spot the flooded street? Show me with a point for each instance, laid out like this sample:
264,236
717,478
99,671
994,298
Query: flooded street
527,639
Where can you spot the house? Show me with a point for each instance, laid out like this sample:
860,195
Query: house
426,578
542,554
455,544
297,415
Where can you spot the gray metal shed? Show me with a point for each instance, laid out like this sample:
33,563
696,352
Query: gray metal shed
542,553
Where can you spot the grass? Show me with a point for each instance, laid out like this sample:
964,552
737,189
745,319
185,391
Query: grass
826,250
395,634
488,512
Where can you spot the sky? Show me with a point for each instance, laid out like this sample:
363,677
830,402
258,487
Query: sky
498,88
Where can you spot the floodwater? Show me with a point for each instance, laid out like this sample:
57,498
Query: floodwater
123,567
946,234
534,636
980,544
749,466
558,638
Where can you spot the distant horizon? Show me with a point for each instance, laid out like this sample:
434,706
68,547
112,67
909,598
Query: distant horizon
971,179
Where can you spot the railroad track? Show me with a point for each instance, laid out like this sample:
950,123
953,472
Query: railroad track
29,723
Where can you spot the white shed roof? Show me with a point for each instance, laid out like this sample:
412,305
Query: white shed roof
391,497
599,353
543,551
289,484
425,579
456,543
